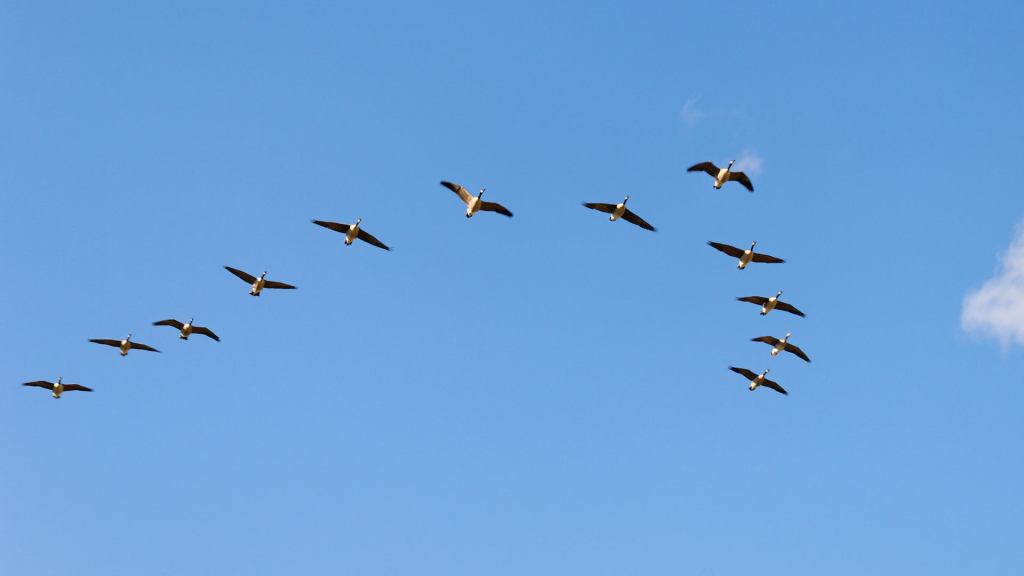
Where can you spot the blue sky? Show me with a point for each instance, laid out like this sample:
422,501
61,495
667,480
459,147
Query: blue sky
541,395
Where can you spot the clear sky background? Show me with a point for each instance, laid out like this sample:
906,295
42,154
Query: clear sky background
542,395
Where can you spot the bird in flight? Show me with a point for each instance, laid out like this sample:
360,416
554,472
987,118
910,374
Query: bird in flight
187,329
351,232
758,380
476,203
124,345
773,303
745,256
59,387
620,211
782,346
722,175
258,284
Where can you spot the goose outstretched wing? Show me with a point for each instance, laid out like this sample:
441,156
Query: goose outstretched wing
371,239
727,249
707,167
248,278
458,189
630,216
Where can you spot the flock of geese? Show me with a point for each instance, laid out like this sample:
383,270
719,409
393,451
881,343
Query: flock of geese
767,304
474,205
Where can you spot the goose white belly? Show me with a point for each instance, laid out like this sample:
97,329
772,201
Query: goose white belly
745,259
618,212
351,235
722,178
186,331
257,287
125,347
754,384
778,348
58,390
768,306
473,207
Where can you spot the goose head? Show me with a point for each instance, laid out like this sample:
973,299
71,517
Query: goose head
190,320
128,338
482,190
358,220
788,334
60,380
765,373
752,244
624,200
731,162
264,274
777,294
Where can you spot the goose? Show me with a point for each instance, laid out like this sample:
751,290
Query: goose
745,256
125,345
475,203
187,329
722,175
59,387
782,345
769,304
620,211
258,284
757,380
351,232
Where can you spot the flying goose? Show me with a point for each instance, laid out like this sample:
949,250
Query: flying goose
187,329
722,175
125,345
757,380
620,211
769,304
351,232
782,345
745,256
475,203
57,388
258,284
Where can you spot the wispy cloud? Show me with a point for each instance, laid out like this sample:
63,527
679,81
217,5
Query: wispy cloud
996,309
750,162
690,113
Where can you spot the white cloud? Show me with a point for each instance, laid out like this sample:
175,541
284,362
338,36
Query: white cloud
749,162
690,114
997,308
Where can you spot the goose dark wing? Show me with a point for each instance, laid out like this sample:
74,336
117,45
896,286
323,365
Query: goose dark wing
742,179
79,387
336,226
770,340
744,372
774,386
169,322
629,216
370,239
759,300
495,207
707,167
780,305
248,278
458,189
766,259
40,384
797,352
106,342
600,207
205,332
139,346
727,249
277,285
